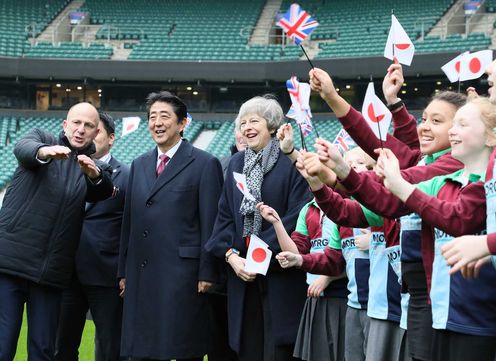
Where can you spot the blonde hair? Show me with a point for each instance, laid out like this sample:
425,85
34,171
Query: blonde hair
488,117
369,161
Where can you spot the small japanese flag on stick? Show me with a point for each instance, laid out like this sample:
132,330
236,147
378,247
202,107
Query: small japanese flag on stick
130,124
258,256
240,180
472,66
452,68
398,44
376,113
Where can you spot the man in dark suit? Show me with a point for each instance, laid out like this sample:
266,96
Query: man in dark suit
94,285
168,217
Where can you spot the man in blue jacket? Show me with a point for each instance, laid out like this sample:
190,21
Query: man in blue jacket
40,225
95,285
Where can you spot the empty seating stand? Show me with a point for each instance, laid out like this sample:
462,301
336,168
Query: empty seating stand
69,50
19,15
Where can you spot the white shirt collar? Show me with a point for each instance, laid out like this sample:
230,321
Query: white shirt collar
170,153
105,158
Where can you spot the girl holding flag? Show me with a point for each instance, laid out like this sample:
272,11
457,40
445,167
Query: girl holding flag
321,335
453,205
384,301
341,248
432,158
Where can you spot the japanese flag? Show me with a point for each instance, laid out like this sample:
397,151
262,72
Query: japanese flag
240,180
452,68
376,113
258,256
130,124
403,46
472,66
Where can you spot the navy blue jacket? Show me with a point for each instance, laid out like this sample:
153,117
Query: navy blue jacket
167,221
285,190
97,256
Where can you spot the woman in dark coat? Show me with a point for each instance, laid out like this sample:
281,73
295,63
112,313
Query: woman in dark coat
263,311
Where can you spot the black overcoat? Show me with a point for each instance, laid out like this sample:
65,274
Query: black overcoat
167,220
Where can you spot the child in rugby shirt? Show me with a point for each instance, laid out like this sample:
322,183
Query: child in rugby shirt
384,298
386,340
328,261
430,159
469,253
464,312
322,326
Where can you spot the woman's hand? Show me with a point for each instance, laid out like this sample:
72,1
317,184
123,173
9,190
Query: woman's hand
238,265
285,136
122,287
463,250
204,286
268,213
289,259
388,167
318,286
393,81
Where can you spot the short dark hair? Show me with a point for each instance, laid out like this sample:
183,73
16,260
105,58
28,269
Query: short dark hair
167,97
108,122
458,100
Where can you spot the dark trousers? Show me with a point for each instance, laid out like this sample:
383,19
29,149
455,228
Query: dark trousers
453,346
219,346
106,309
419,319
42,307
257,343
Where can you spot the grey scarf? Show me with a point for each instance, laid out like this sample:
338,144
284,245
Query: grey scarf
256,165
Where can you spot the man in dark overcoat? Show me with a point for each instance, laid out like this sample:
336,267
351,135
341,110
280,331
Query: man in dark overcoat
94,285
169,213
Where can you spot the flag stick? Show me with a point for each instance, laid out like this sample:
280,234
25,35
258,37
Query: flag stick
459,84
304,52
302,137
392,29
316,132
380,136
273,215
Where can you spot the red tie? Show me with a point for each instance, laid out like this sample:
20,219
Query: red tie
163,162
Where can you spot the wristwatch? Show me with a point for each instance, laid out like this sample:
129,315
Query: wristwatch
395,106
230,252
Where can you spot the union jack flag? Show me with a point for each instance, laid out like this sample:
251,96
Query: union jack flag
300,109
302,119
297,23
343,141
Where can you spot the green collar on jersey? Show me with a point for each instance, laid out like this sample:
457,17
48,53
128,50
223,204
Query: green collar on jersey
431,158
